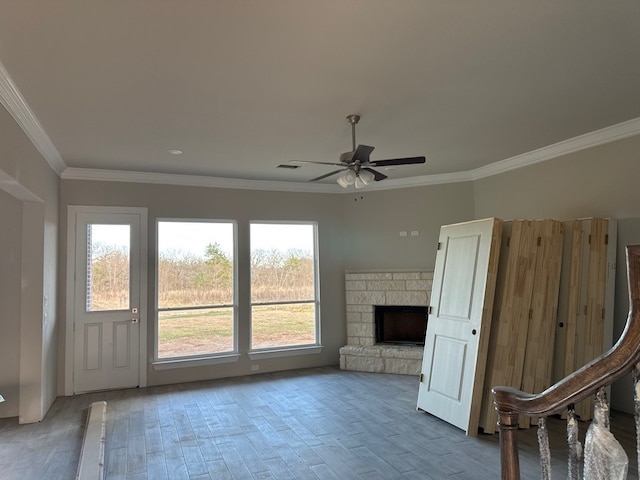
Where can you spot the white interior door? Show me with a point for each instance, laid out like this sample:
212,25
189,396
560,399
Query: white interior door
459,322
107,299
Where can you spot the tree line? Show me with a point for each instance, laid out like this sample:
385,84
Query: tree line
185,279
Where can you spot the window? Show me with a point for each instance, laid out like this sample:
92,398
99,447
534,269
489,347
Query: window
196,285
284,299
108,269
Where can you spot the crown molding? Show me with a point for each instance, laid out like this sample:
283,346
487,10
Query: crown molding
195,181
565,147
420,181
18,108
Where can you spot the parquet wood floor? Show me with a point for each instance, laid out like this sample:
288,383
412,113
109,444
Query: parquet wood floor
320,423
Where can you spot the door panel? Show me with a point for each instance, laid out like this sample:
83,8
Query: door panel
459,323
107,292
458,278
447,371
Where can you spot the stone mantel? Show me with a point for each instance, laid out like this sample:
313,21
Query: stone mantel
365,290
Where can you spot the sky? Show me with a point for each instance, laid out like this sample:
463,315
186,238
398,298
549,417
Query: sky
193,237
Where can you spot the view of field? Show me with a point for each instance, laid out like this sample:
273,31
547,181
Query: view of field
186,281
211,330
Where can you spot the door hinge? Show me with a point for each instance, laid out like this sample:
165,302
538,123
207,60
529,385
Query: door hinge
539,241
421,377
508,241
606,239
430,310
439,246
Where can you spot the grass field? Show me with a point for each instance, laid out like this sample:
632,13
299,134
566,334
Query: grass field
206,331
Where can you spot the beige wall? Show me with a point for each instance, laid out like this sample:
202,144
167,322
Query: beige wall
28,179
601,181
10,254
374,220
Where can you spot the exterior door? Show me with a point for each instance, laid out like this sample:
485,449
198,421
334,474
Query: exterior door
107,307
459,322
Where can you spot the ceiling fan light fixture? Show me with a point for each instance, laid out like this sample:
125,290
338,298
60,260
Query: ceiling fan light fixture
359,183
366,176
347,178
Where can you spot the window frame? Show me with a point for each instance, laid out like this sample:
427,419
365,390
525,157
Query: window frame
161,363
288,350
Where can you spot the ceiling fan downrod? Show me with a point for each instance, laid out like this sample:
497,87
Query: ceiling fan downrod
353,120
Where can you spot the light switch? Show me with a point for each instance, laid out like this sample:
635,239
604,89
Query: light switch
403,233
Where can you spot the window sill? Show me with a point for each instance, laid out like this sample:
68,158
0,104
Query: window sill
194,361
284,352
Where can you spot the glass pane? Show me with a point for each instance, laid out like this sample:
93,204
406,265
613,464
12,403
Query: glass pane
283,325
195,264
195,332
108,266
282,263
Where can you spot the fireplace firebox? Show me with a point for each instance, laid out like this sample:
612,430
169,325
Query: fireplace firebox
400,325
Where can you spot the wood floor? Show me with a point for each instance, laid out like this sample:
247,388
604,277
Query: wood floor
320,423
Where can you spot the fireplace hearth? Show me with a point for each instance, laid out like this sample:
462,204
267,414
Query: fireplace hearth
400,324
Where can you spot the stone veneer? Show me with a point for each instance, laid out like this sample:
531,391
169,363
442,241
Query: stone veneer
363,292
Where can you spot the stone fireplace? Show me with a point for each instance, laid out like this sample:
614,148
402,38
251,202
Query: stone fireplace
365,291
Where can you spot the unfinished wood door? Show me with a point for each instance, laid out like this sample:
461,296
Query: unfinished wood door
459,322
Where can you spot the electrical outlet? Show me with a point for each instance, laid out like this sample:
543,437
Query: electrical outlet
255,368
403,233
415,233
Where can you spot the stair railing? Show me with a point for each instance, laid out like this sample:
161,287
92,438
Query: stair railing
620,360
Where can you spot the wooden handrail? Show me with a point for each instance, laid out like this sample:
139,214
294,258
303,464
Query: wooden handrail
615,363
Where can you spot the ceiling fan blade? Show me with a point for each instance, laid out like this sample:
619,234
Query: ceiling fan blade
362,153
397,161
326,175
377,175
318,163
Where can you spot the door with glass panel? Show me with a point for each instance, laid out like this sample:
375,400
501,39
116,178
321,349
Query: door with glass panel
107,293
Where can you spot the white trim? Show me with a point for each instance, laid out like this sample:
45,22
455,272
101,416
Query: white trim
17,106
284,352
195,181
91,463
16,189
195,361
72,211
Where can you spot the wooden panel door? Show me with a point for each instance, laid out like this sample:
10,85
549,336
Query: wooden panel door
459,322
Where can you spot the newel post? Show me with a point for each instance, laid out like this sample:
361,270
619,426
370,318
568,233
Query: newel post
508,424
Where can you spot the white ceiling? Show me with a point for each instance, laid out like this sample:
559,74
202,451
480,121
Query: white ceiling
242,86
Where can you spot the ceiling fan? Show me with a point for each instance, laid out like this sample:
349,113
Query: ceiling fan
356,165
